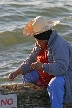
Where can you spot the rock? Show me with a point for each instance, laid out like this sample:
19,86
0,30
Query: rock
28,95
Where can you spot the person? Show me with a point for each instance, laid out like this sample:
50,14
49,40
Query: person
50,63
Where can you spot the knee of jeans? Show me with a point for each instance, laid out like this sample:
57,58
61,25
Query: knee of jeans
55,82
52,83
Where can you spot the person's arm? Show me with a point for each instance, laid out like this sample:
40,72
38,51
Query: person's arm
25,66
14,74
60,63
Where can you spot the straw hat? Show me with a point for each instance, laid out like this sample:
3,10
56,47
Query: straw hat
38,25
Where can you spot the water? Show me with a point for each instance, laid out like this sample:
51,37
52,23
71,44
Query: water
14,48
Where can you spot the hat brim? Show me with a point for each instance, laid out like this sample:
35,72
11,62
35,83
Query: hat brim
28,29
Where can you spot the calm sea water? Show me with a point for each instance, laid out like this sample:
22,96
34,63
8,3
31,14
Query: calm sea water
14,48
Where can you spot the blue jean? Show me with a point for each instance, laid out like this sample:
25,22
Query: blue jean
56,91
30,77
55,88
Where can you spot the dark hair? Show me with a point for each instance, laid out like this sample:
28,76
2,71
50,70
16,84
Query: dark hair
43,36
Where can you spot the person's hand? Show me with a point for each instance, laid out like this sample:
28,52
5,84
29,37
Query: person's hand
12,76
36,66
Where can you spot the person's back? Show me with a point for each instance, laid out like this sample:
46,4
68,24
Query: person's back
70,53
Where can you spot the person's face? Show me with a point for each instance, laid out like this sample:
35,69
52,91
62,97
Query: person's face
42,43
